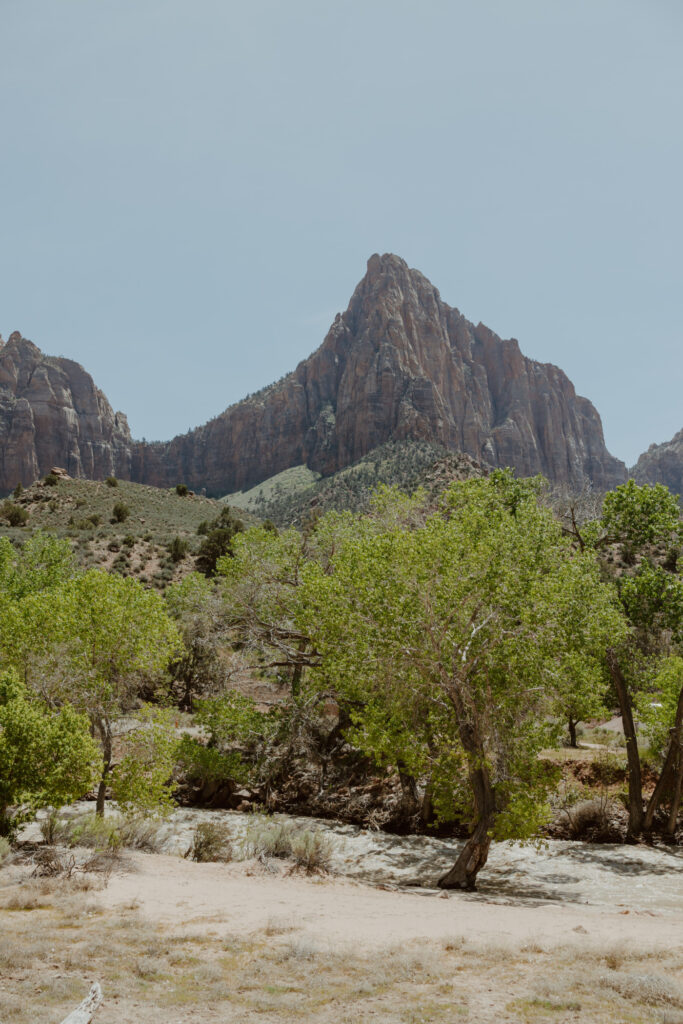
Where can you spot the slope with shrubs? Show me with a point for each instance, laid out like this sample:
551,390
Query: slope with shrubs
292,497
134,530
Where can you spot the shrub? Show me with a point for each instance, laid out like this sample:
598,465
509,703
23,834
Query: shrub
211,842
51,480
95,519
120,512
268,837
129,540
15,515
111,481
181,489
177,549
113,545
18,491
311,851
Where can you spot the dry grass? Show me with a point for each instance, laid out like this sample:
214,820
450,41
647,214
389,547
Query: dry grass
55,940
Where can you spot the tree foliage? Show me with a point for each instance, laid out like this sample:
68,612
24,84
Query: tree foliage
47,757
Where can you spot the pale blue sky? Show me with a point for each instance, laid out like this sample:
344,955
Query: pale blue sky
190,189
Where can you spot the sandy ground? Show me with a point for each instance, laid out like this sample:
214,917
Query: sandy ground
383,889
244,898
570,933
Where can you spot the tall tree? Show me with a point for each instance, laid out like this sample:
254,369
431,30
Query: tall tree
451,638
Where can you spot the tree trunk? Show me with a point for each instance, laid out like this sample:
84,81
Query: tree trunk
103,727
635,782
572,732
473,856
668,774
85,1012
675,800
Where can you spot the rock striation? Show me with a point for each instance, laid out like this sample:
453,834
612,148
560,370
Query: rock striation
662,464
399,364
51,414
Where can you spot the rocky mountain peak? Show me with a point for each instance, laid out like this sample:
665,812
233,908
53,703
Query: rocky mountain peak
51,413
399,364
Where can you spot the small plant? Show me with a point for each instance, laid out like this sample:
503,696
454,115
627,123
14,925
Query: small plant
211,842
111,481
181,489
51,480
120,512
95,519
13,514
177,549
129,540
53,505
113,545
268,837
18,491
311,851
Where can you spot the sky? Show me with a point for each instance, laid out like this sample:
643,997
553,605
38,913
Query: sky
190,189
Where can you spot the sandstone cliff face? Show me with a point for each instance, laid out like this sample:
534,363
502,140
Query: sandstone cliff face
398,364
662,464
51,414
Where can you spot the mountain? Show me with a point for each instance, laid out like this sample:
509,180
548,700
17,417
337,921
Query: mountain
51,414
662,464
399,364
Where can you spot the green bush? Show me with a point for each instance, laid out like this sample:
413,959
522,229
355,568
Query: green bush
13,514
51,480
129,540
207,764
177,549
120,512
111,481
181,489
18,491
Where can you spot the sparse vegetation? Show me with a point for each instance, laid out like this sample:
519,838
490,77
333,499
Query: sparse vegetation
211,842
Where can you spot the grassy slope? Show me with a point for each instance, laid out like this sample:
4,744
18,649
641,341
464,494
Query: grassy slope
156,517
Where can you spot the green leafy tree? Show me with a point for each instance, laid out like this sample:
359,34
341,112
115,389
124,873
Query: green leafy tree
644,524
218,540
451,640
142,781
92,641
47,757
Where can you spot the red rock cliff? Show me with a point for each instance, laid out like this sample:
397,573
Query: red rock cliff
51,414
399,363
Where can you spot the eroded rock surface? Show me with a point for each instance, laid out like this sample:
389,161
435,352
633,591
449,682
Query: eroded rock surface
398,364
662,464
51,414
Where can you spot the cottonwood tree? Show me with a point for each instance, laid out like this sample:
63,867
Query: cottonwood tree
47,758
90,642
452,641
638,538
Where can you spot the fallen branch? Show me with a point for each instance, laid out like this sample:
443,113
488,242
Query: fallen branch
84,1013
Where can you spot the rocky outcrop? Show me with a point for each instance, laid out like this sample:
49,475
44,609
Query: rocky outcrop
399,364
51,414
662,464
